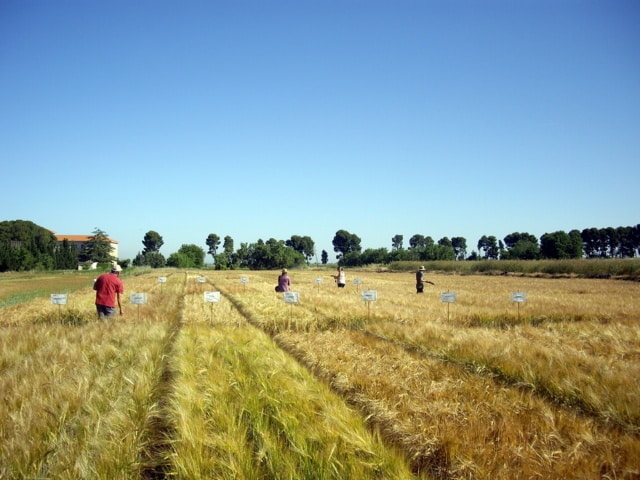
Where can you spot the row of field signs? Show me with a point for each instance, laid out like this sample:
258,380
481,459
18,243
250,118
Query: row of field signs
289,297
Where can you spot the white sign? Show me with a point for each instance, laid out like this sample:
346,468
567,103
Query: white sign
318,281
518,297
211,297
201,280
369,295
244,280
357,281
58,298
138,298
448,297
162,279
291,297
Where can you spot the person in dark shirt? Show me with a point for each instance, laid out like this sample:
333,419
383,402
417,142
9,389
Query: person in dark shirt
421,280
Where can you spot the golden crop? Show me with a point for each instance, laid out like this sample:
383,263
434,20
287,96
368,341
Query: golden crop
479,388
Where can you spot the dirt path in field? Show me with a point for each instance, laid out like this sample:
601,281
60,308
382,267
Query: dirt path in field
159,430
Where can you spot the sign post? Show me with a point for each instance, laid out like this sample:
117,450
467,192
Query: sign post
162,281
291,298
519,297
211,298
244,281
318,282
448,298
358,282
59,299
138,299
369,296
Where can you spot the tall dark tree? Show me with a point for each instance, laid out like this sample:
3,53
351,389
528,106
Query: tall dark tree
98,248
459,245
521,246
345,242
445,242
302,244
489,245
213,242
324,257
417,241
575,248
227,248
396,242
25,246
152,242
590,242
557,245
66,257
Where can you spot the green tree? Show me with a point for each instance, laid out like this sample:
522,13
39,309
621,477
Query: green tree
227,248
190,256
521,246
66,257
575,249
154,259
396,242
345,242
304,245
152,242
556,245
459,245
213,242
272,254
399,255
489,245
590,242
179,260
417,241
445,242
26,246
221,261
324,257
98,248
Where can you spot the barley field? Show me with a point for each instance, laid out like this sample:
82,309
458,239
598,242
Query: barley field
250,386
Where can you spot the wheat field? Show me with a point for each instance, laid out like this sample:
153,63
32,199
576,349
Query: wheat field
331,386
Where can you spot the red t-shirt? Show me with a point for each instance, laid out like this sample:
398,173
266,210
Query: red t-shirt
106,287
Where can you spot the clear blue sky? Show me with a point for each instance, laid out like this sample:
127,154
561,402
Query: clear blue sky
267,119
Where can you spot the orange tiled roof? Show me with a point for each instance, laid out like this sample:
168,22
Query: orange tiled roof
79,238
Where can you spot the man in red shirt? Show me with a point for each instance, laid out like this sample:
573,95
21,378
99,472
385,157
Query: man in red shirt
108,287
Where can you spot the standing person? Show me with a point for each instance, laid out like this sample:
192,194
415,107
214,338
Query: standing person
340,278
284,282
421,280
108,287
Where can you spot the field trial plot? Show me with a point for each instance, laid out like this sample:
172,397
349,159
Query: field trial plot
184,388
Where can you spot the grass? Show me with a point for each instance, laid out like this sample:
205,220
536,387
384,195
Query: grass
626,268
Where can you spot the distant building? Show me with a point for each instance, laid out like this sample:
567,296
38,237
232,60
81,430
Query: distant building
78,242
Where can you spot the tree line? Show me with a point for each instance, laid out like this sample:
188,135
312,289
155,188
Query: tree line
26,246
621,242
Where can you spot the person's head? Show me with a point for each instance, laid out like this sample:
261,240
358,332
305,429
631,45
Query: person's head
421,268
340,268
116,269
284,271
